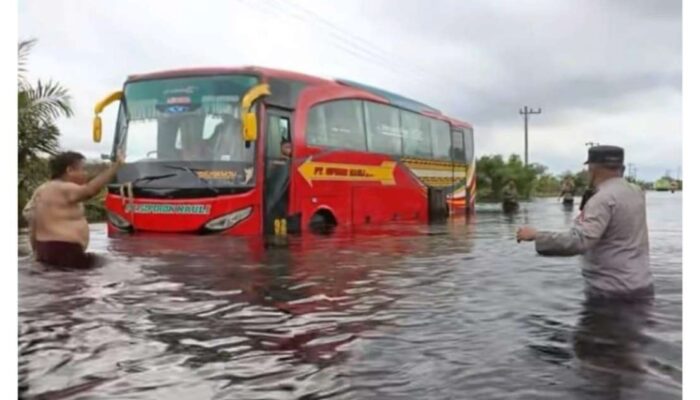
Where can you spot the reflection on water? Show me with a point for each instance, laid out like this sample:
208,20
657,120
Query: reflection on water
446,311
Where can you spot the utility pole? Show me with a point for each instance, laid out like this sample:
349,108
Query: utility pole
525,112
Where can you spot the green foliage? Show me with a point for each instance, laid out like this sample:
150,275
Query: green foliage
493,173
38,107
581,180
547,185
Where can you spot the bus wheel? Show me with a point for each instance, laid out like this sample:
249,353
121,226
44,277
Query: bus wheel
323,222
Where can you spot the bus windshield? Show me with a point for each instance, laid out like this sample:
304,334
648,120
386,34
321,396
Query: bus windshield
192,119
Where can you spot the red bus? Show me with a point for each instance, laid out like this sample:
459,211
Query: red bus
203,154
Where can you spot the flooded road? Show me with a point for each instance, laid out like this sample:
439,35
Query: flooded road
456,311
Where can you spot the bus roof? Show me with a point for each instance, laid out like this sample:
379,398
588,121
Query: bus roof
265,72
392,98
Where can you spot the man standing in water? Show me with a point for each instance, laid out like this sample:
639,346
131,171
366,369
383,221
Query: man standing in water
58,229
509,196
567,191
611,232
278,180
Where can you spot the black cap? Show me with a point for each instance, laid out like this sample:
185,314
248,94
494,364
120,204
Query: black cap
608,155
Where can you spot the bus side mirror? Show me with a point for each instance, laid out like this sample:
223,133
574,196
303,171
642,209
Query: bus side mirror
97,129
97,121
250,120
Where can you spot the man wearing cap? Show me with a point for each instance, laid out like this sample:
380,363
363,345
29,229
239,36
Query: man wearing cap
611,232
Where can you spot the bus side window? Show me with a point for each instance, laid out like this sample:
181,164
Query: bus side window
457,149
316,132
337,124
469,145
440,132
277,129
415,129
383,131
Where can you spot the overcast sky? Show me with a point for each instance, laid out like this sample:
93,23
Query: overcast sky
602,71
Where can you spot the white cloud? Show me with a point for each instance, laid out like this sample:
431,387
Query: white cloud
601,72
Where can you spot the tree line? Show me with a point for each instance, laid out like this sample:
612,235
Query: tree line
533,180
39,105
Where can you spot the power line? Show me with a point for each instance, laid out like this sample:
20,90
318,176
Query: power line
339,40
360,42
268,8
344,39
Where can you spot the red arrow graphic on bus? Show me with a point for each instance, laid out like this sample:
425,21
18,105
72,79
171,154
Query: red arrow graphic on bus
330,171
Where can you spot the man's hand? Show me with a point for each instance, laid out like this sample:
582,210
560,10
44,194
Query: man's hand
120,157
526,233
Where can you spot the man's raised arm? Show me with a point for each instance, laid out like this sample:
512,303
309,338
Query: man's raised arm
79,193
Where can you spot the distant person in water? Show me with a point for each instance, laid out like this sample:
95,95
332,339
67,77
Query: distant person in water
510,192
611,232
58,229
567,191
509,197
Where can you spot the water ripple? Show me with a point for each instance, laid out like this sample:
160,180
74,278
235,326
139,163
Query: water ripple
445,311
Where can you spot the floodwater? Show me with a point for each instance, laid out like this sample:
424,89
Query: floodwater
455,311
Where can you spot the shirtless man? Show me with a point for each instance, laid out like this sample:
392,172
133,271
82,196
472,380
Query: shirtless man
58,229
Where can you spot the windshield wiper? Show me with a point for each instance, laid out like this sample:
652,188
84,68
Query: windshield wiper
147,178
153,178
193,172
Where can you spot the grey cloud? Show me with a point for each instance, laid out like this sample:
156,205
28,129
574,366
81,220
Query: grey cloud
477,60
587,50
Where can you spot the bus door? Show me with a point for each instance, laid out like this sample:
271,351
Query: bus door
277,171
459,167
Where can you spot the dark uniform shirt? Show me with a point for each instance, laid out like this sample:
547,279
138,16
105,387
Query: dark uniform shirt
611,233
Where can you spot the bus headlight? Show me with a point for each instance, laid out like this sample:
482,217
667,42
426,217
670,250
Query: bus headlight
118,221
228,220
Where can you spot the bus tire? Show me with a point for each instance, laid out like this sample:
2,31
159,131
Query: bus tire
323,222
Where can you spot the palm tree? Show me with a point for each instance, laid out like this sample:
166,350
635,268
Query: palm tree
38,106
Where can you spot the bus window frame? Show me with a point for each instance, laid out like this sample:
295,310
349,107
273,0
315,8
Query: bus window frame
367,132
430,138
469,133
304,132
461,132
